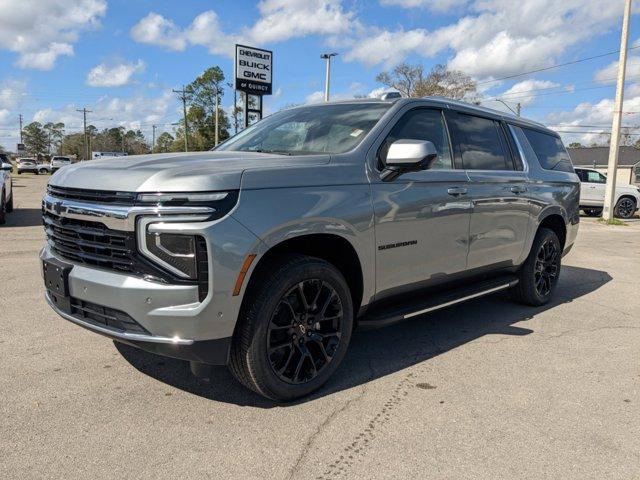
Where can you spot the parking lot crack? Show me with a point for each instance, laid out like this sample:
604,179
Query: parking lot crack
325,424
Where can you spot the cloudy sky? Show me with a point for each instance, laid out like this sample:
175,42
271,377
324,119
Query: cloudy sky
121,59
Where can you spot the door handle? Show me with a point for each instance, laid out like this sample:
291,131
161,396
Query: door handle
456,191
518,189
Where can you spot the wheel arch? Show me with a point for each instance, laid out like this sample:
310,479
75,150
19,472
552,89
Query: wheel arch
555,221
332,248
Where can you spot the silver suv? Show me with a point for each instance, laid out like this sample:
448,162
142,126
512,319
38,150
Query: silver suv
265,253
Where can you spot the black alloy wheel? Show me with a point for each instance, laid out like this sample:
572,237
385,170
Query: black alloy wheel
547,267
625,208
294,328
304,331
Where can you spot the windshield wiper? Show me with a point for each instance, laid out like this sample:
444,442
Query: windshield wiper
277,152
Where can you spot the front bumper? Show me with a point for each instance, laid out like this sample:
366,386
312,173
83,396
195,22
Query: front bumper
173,319
212,352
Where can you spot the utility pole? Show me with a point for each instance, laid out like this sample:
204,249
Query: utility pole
153,136
216,128
20,117
518,108
86,140
182,94
327,78
610,192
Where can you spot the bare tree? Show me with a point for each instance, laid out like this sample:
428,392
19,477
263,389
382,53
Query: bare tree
411,81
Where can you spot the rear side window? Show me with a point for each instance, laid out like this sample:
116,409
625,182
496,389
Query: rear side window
549,150
482,143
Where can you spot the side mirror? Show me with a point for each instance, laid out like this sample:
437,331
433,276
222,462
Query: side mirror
7,167
408,156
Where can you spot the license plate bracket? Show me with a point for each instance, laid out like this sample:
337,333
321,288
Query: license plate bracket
56,277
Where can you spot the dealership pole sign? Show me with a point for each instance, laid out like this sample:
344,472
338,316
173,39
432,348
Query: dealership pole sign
253,72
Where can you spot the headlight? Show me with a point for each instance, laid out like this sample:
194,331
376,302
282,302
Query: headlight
168,246
175,252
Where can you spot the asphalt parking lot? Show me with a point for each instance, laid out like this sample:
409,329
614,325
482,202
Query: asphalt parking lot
484,390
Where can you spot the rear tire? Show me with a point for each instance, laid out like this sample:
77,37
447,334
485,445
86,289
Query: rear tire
3,209
539,274
9,206
294,328
625,208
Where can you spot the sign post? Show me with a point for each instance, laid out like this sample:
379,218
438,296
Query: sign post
253,72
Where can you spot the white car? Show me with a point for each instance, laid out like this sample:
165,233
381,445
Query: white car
29,165
592,189
6,190
59,162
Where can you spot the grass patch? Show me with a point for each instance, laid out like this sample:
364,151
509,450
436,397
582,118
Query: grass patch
613,221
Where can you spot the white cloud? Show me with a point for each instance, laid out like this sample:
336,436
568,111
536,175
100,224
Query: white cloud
595,115
609,73
279,20
154,29
355,90
40,31
525,92
4,115
387,47
433,5
12,93
499,37
114,75
284,19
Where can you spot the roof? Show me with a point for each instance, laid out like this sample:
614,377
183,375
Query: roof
599,156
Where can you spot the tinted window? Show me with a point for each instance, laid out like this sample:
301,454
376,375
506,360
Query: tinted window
421,124
549,150
580,174
482,143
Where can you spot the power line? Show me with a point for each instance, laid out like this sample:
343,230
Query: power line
558,65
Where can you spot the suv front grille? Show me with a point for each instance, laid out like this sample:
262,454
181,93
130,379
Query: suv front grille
93,244
95,196
90,243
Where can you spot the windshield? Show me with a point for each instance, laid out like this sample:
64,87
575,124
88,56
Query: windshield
308,130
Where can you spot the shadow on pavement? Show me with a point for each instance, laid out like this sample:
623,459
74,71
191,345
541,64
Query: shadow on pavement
376,353
24,217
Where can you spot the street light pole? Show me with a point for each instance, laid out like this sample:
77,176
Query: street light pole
327,78
516,111
610,192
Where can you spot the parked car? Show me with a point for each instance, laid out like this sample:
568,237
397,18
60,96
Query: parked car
265,253
58,162
6,187
592,190
29,165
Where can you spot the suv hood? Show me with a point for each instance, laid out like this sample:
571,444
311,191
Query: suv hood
174,172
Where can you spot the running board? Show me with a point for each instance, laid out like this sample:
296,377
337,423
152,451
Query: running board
381,317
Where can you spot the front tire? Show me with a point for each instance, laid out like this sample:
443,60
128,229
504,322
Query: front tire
539,274
294,328
625,208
